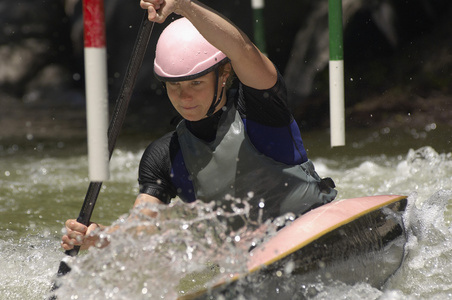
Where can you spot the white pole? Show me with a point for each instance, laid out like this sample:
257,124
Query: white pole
96,90
337,103
337,111
257,4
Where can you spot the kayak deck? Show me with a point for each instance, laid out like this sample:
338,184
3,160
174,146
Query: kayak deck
351,240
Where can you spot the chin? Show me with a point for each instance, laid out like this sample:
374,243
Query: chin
192,118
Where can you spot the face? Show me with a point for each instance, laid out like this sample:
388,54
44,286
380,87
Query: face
192,98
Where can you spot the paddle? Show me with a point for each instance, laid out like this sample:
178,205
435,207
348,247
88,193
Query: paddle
114,128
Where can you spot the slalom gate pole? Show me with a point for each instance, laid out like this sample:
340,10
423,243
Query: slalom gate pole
336,68
259,28
96,89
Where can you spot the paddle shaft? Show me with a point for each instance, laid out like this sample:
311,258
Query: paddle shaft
115,126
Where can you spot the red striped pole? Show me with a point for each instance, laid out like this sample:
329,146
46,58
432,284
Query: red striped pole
96,89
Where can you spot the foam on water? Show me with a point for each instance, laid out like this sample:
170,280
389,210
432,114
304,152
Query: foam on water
24,264
427,270
191,239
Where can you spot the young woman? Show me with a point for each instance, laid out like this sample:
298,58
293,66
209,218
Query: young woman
230,144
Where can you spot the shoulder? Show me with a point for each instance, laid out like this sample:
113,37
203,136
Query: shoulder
163,143
279,90
268,107
162,148
249,98
154,174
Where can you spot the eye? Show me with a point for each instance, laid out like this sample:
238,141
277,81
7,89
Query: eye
196,82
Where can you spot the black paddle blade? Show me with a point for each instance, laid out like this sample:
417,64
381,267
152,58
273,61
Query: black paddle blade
63,269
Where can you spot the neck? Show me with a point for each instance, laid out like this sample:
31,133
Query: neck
206,128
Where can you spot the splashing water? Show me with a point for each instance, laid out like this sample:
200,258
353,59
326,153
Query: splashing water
166,256
427,270
188,245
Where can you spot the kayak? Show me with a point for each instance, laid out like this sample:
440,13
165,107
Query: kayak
349,241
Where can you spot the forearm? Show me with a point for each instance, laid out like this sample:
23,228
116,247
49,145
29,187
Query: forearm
215,28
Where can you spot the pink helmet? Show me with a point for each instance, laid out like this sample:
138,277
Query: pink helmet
182,53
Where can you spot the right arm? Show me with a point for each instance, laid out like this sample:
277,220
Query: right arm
78,234
154,179
144,199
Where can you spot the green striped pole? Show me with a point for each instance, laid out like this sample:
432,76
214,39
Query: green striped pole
337,111
259,32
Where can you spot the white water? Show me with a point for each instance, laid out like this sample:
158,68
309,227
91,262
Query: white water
40,190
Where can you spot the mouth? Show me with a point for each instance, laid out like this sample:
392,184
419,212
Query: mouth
189,107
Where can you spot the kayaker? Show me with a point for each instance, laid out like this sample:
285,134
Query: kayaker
230,143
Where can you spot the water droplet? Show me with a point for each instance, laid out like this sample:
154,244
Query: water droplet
289,267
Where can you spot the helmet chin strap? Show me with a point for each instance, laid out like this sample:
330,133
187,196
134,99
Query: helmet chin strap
215,102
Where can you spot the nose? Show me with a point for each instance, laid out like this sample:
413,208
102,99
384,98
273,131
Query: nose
184,93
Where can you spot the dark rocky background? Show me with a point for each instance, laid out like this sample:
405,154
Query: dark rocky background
398,63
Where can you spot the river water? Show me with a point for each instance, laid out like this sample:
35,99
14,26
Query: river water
43,183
